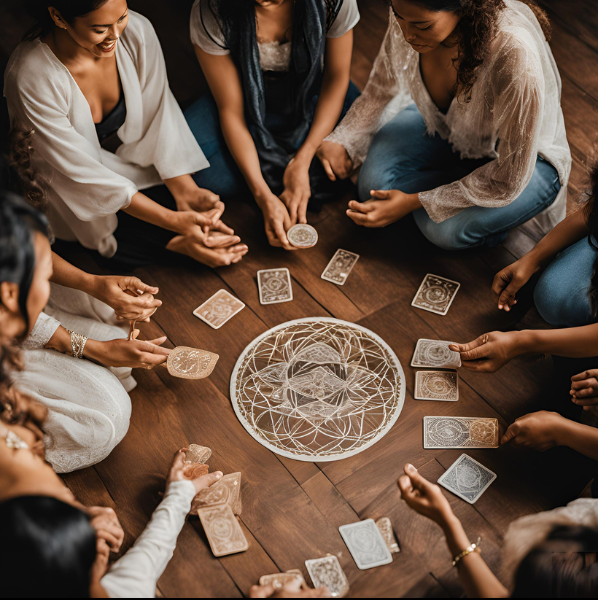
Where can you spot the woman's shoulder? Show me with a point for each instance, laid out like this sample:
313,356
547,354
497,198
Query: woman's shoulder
139,29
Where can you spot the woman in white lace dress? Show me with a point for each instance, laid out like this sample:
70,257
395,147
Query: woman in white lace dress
89,409
460,124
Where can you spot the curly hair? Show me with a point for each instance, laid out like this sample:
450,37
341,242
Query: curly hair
20,161
477,28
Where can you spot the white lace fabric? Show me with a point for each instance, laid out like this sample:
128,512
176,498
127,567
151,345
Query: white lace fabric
514,115
275,56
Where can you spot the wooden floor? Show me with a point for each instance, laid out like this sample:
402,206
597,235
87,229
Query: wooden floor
292,510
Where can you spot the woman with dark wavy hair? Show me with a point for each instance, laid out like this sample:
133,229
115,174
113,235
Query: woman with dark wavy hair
279,72
460,124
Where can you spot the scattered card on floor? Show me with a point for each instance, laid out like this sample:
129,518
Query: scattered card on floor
436,294
219,309
327,572
222,530
340,267
467,478
275,286
366,544
437,385
435,354
460,432
384,525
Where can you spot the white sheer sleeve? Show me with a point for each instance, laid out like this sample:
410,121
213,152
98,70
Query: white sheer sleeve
135,575
45,327
518,91
384,96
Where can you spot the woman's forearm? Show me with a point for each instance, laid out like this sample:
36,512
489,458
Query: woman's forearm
477,579
574,342
565,234
581,438
147,210
181,187
70,276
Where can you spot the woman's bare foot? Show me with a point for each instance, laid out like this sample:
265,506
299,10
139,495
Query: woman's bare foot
212,257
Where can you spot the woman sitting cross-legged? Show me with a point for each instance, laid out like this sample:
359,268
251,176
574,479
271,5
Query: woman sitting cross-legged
459,124
278,71
88,90
89,409
52,545
548,555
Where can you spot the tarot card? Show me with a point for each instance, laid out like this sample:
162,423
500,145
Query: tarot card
435,354
275,286
327,572
366,544
219,309
191,363
302,236
460,432
340,267
195,470
222,530
227,490
467,478
279,580
384,525
197,454
437,385
436,294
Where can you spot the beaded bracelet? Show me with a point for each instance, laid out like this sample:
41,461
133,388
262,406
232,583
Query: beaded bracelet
473,548
78,342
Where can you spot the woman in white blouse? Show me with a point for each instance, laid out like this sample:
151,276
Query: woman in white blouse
109,140
279,73
460,124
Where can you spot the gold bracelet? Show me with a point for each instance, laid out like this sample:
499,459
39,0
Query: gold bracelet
473,548
78,342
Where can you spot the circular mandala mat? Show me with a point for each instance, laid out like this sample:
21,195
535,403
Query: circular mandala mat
318,389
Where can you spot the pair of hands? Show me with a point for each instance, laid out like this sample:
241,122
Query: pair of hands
109,531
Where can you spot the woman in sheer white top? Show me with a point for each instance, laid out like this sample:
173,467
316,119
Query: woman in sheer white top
459,124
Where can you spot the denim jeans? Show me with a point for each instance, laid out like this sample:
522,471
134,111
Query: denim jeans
223,176
561,295
404,157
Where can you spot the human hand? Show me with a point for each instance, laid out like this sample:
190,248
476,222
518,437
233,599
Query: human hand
196,199
424,497
290,590
297,190
198,228
134,354
336,160
177,473
538,431
511,279
384,208
107,526
277,222
490,352
584,390
130,298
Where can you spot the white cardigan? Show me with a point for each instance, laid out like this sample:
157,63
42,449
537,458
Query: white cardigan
87,184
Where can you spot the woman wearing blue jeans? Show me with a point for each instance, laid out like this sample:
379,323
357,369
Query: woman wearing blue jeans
460,124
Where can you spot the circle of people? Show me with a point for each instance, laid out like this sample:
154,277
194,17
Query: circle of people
460,125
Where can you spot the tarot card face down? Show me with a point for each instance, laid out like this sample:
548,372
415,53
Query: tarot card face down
191,363
275,286
219,309
366,544
384,525
436,294
222,530
467,478
460,432
327,572
226,490
340,267
197,454
436,355
437,385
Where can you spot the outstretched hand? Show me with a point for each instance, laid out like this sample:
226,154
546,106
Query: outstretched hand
537,431
385,207
488,353
510,280
177,473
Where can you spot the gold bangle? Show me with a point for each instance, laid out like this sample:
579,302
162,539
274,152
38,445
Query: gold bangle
473,548
78,342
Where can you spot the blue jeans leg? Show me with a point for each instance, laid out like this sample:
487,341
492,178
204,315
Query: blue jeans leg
222,177
561,295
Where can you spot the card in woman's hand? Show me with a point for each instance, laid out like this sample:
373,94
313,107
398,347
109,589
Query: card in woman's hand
191,363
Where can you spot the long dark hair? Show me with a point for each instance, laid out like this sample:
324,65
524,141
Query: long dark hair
559,566
69,10
591,213
476,30
48,549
